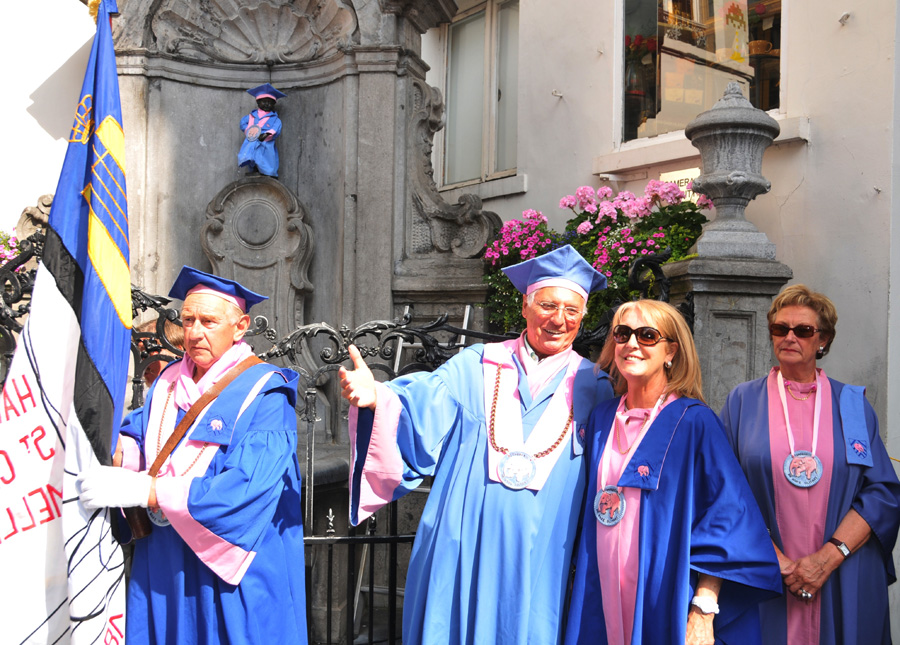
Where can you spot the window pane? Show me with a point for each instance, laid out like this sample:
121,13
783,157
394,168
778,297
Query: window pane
507,86
465,100
680,55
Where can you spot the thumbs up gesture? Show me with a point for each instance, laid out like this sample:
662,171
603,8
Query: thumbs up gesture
358,384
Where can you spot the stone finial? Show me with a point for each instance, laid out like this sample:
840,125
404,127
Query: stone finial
732,137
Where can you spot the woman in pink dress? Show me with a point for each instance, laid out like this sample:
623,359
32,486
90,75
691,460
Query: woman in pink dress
811,451
672,547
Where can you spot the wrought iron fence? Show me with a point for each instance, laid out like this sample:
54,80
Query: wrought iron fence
316,352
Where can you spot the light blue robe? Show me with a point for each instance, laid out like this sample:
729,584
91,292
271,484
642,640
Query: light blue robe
262,155
489,564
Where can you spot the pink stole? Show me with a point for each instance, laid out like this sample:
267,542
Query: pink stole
800,512
618,556
508,431
187,392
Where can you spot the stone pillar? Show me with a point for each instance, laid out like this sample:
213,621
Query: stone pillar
735,275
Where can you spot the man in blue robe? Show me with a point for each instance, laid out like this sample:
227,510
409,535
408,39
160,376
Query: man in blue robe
224,563
498,427
261,127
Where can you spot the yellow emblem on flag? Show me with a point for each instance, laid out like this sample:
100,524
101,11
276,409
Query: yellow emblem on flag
113,138
83,127
110,265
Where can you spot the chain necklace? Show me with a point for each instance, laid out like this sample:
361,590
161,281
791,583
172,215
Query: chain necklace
787,386
159,433
504,450
618,439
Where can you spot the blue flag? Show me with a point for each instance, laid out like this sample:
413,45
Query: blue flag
63,399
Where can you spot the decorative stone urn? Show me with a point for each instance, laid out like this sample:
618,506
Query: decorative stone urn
732,137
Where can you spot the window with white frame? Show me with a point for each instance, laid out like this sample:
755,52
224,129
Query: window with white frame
680,54
481,92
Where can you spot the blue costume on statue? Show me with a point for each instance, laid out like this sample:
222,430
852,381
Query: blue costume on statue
854,598
697,515
261,127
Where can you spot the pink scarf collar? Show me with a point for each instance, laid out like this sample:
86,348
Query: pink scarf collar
187,392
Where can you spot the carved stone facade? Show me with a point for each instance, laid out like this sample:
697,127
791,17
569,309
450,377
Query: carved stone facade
355,149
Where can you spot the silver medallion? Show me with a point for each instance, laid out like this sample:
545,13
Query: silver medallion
158,517
252,133
609,506
803,469
517,469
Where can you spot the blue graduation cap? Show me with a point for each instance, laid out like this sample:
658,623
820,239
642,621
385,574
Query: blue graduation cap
562,267
192,280
265,90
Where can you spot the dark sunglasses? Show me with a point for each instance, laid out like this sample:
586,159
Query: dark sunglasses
647,336
800,331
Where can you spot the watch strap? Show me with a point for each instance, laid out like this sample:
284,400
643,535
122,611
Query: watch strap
843,548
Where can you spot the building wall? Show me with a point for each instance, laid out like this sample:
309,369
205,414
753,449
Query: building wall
42,79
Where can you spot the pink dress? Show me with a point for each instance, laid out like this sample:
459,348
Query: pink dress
800,512
617,546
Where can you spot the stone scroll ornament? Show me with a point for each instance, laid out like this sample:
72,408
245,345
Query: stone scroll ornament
261,127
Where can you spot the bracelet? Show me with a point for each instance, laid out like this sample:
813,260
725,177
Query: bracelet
705,605
843,548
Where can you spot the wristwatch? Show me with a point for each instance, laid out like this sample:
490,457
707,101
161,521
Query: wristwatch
705,605
845,551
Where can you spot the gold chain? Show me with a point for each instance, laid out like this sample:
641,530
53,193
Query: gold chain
159,433
618,439
787,386
503,450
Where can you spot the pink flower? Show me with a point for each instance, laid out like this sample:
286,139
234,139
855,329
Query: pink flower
604,192
567,202
705,202
584,227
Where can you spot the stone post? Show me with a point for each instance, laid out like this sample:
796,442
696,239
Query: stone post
734,274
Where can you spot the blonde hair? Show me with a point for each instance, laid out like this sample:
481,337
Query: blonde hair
799,295
684,376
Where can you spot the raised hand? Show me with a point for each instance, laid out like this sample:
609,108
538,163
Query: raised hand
358,384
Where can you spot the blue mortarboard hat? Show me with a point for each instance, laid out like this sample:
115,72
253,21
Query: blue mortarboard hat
265,89
229,290
563,267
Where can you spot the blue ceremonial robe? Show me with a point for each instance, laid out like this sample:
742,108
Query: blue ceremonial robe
261,154
489,564
697,515
249,501
855,598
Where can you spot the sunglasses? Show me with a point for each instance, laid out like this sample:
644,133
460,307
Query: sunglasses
800,331
647,336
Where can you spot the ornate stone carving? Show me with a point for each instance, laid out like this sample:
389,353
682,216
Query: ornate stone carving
255,233
34,218
256,32
463,228
732,137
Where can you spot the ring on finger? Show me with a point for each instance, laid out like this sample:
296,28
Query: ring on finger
805,595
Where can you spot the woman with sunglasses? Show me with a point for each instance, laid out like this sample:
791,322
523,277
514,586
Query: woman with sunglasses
810,448
672,547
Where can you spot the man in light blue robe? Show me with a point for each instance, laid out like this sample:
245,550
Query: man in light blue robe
499,427
224,561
